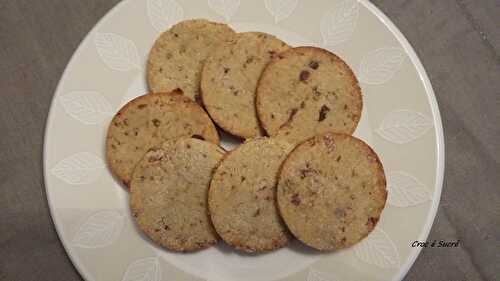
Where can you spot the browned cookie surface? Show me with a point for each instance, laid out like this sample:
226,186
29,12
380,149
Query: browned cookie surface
307,91
177,57
242,196
148,121
168,194
331,191
230,77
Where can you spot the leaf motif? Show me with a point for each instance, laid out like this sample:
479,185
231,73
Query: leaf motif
136,88
314,275
403,126
164,13
339,23
100,230
281,9
379,66
147,269
225,8
78,169
378,249
128,97
117,52
405,190
86,106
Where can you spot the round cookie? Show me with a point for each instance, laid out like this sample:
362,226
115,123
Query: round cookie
148,121
168,194
229,80
307,91
331,191
178,55
241,198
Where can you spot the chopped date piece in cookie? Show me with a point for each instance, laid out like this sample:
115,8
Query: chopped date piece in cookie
314,64
295,199
304,75
323,112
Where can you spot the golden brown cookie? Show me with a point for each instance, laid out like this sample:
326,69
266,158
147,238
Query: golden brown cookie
331,191
148,121
241,197
168,194
230,77
307,91
178,55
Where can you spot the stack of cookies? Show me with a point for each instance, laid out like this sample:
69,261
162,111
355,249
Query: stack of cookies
299,173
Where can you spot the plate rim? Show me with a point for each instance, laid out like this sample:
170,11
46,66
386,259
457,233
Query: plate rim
422,73
438,127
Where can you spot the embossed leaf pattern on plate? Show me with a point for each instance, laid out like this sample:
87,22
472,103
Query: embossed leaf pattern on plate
338,23
79,169
405,190
117,52
100,230
403,126
88,107
164,13
378,249
136,88
129,96
281,9
380,66
225,8
147,269
314,275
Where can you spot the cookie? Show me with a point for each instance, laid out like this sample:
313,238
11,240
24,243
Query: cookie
331,191
307,91
241,198
178,55
229,80
148,121
168,194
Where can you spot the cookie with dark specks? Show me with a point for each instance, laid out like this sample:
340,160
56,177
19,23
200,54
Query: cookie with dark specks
168,194
241,197
307,91
148,121
177,57
331,191
229,80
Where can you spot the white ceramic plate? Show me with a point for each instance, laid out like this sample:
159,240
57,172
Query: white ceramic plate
400,121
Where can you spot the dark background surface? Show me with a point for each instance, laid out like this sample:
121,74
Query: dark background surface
458,42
